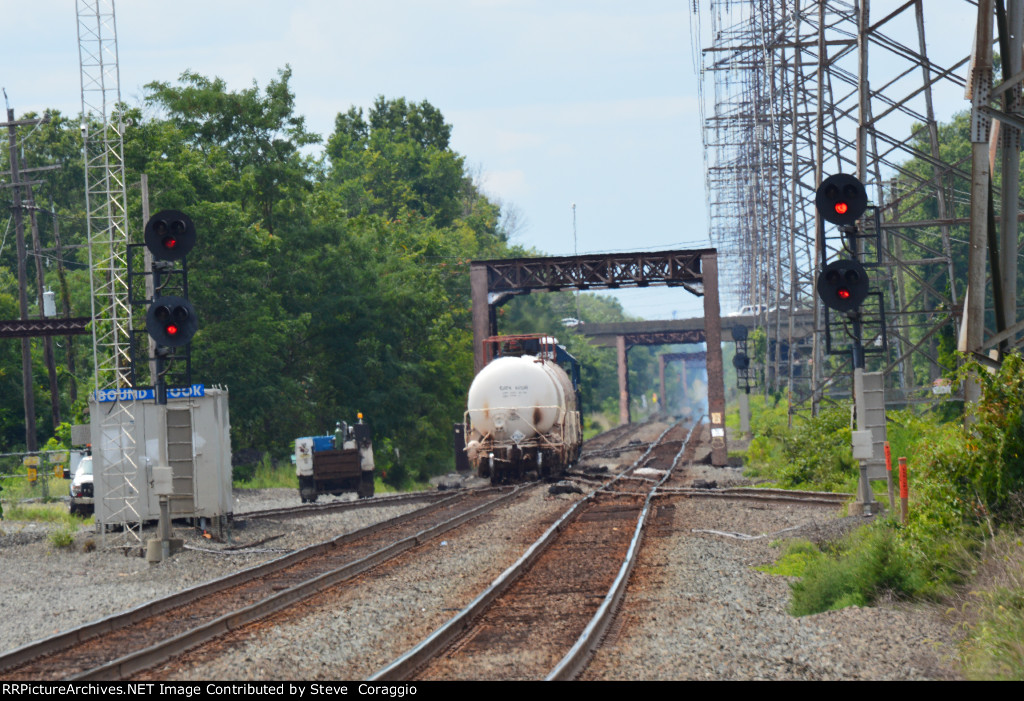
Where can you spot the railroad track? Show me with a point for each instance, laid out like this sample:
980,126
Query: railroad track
545,614
302,510
612,516
119,646
666,488
755,494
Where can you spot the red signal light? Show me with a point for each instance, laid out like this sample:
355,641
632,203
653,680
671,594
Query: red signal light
170,235
843,285
841,199
171,321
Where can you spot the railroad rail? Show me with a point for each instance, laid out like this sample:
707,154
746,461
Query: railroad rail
302,510
124,644
597,535
549,593
756,494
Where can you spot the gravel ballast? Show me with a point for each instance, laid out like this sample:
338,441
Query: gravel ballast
696,607
355,632
698,610
82,584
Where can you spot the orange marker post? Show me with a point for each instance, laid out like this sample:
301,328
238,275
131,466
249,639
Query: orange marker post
904,490
888,477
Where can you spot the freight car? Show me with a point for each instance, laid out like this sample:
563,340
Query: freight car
335,464
523,410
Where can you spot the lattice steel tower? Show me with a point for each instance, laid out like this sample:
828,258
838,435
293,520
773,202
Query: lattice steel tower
115,452
796,90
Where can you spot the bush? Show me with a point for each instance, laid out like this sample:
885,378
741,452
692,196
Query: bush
397,476
990,465
814,454
64,537
871,563
965,489
964,479
243,473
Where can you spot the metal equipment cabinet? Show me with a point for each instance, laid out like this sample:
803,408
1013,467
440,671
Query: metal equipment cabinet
190,435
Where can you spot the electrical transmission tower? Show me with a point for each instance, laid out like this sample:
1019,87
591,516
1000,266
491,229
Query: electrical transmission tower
115,453
796,90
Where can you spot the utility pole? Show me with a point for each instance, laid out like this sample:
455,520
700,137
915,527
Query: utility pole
980,83
24,327
865,498
150,287
31,444
48,359
1011,50
65,298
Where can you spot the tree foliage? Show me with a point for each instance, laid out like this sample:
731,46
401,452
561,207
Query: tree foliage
260,135
326,283
397,159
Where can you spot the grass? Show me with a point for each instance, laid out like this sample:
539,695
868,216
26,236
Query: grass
63,537
797,555
870,564
267,475
45,513
966,517
995,648
36,501
992,614
48,488
270,475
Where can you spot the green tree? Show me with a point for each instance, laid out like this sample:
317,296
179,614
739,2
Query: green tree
322,288
398,158
260,134
912,198
393,342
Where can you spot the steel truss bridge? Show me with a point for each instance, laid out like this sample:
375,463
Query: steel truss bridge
493,282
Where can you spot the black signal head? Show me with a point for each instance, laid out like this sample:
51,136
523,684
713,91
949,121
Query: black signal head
841,199
170,235
843,285
171,321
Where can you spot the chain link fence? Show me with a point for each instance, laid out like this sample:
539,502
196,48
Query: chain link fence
39,476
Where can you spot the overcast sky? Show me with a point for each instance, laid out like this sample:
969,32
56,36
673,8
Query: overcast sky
554,103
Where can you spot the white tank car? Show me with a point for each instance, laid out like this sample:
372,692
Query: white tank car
522,416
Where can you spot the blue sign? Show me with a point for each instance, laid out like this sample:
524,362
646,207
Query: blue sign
127,394
186,392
